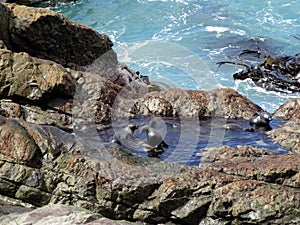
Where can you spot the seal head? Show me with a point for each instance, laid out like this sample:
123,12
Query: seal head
261,120
127,133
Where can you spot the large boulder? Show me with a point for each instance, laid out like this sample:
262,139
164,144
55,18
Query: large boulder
226,103
46,34
23,76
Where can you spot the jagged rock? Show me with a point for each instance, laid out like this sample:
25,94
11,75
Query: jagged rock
18,145
60,115
254,164
44,92
57,214
214,154
46,34
217,191
254,202
289,110
118,185
27,77
36,90
177,102
264,192
288,135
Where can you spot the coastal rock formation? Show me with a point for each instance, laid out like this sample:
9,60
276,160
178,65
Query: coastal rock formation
42,91
288,135
49,35
42,164
57,214
54,167
224,102
289,110
23,76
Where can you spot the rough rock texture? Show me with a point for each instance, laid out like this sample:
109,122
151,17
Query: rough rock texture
288,135
289,110
57,214
34,79
268,185
44,92
232,186
49,35
216,103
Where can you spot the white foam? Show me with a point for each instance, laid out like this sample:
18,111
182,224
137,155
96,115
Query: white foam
216,29
220,30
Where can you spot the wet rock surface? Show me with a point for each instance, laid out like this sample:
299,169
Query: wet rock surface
119,185
288,135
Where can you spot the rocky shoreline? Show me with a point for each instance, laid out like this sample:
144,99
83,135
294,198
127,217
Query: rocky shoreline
48,88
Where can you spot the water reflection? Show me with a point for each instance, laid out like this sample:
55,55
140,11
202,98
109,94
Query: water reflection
209,133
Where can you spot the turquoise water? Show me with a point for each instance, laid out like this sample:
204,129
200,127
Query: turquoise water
178,42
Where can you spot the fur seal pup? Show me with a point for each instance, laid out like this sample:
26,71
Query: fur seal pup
261,120
155,144
127,133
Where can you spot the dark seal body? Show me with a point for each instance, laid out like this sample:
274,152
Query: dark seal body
261,120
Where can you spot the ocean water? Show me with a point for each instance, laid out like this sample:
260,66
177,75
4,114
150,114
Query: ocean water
179,42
